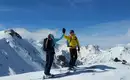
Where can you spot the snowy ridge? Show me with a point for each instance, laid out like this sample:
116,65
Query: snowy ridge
122,52
18,56
92,54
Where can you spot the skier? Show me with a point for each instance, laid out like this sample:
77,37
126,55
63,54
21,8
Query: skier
48,47
73,44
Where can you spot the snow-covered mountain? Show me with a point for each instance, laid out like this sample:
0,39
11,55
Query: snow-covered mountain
20,55
93,54
17,55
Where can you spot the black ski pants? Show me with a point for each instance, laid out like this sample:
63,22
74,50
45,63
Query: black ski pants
73,57
49,62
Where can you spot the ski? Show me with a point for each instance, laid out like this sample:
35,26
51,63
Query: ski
47,77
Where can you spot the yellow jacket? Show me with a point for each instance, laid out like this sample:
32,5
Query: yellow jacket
73,40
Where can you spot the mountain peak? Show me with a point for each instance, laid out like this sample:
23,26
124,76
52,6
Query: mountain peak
93,48
13,33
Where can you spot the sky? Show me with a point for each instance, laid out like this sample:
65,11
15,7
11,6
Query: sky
101,22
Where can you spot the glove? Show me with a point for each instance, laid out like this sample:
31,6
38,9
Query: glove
78,49
63,30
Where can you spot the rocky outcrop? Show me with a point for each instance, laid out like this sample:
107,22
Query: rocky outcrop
13,33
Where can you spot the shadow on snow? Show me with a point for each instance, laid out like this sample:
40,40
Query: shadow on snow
91,69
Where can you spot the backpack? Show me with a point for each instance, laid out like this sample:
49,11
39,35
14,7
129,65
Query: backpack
67,42
45,44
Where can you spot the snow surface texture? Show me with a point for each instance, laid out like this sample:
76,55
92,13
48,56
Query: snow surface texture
106,71
19,56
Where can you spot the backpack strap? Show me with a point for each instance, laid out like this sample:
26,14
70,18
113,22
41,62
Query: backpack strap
46,44
74,39
70,39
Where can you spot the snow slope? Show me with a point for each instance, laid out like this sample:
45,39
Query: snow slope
107,71
18,56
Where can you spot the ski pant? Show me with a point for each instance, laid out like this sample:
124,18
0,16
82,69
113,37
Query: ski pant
73,57
49,62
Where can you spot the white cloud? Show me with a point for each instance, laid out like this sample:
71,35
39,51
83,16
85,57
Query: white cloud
5,9
2,27
36,35
106,41
78,1
73,3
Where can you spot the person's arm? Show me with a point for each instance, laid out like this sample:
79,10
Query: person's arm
78,44
66,37
57,39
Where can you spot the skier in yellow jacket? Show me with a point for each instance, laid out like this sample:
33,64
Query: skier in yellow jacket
73,44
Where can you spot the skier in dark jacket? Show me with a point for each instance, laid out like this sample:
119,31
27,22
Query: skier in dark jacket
49,44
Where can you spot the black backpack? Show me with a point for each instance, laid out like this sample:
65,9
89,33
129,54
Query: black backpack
45,44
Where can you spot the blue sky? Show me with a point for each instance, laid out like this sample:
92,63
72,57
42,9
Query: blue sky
86,17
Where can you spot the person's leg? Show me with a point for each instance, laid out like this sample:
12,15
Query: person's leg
71,59
75,57
51,58
47,64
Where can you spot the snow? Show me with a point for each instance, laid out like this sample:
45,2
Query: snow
24,59
15,57
106,71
